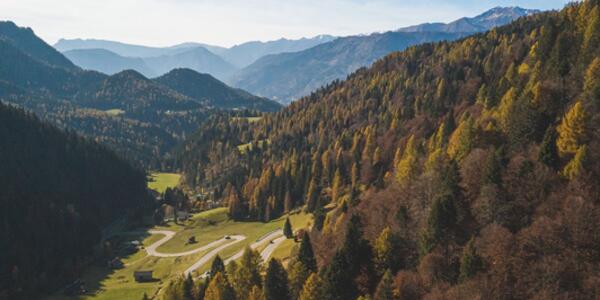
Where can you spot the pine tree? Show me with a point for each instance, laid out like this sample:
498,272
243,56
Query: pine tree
276,282
219,289
188,287
297,275
385,252
576,166
470,262
591,88
312,196
287,229
440,222
591,39
336,187
248,273
462,139
217,266
255,294
492,169
572,131
384,289
306,255
145,297
548,154
313,288
406,168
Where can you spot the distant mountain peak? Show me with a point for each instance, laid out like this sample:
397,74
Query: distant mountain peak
489,19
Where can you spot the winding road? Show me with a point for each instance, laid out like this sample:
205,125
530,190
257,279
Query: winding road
275,238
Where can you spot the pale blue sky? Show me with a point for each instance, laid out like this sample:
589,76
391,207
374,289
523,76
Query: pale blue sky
228,22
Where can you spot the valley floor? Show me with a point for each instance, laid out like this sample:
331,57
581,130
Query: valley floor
165,251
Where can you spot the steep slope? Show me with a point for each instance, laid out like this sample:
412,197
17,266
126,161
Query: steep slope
25,40
58,192
210,91
494,17
198,59
288,76
245,54
464,169
107,62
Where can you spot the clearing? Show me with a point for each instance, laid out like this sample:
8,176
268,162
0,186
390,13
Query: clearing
159,182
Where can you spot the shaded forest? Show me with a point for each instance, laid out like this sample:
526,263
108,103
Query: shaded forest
59,191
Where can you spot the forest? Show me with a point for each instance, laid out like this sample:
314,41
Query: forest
450,170
59,191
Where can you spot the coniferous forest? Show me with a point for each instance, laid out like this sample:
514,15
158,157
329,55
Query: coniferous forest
464,169
59,191
454,170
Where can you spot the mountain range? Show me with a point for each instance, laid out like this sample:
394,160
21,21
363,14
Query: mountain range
142,119
283,70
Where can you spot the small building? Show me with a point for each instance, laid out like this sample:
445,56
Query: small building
143,276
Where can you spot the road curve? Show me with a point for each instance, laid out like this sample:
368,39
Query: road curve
206,258
261,241
151,250
266,253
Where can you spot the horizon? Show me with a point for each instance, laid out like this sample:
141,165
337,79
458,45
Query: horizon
73,19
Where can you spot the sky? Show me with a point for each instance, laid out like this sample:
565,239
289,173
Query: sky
230,22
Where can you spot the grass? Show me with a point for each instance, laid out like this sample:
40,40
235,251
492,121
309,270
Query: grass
114,112
249,119
207,227
161,181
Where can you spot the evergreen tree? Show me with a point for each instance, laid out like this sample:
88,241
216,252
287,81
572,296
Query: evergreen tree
384,289
145,297
287,229
440,223
313,288
576,166
492,169
591,88
217,266
255,294
276,282
219,289
572,131
297,275
407,166
188,287
336,187
385,252
548,154
306,255
462,139
312,196
470,262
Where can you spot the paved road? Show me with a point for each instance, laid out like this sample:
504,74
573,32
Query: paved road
275,237
151,250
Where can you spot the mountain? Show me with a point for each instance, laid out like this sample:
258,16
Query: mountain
451,170
212,92
244,54
107,62
288,76
59,191
140,119
494,17
25,39
122,49
198,59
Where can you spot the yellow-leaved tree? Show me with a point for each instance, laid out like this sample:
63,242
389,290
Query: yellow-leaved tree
406,166
462,139
572,131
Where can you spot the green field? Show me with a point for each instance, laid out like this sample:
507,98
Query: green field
249,119
114,112
206,227
161,181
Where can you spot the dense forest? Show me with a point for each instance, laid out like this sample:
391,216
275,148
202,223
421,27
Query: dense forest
58,192
451,170
141,119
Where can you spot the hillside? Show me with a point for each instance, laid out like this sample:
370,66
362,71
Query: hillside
139,118
107,62
25,40
58,192
122,49
451,170
210,91
288,76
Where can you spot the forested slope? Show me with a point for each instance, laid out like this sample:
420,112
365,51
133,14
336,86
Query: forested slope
58,192
464,169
